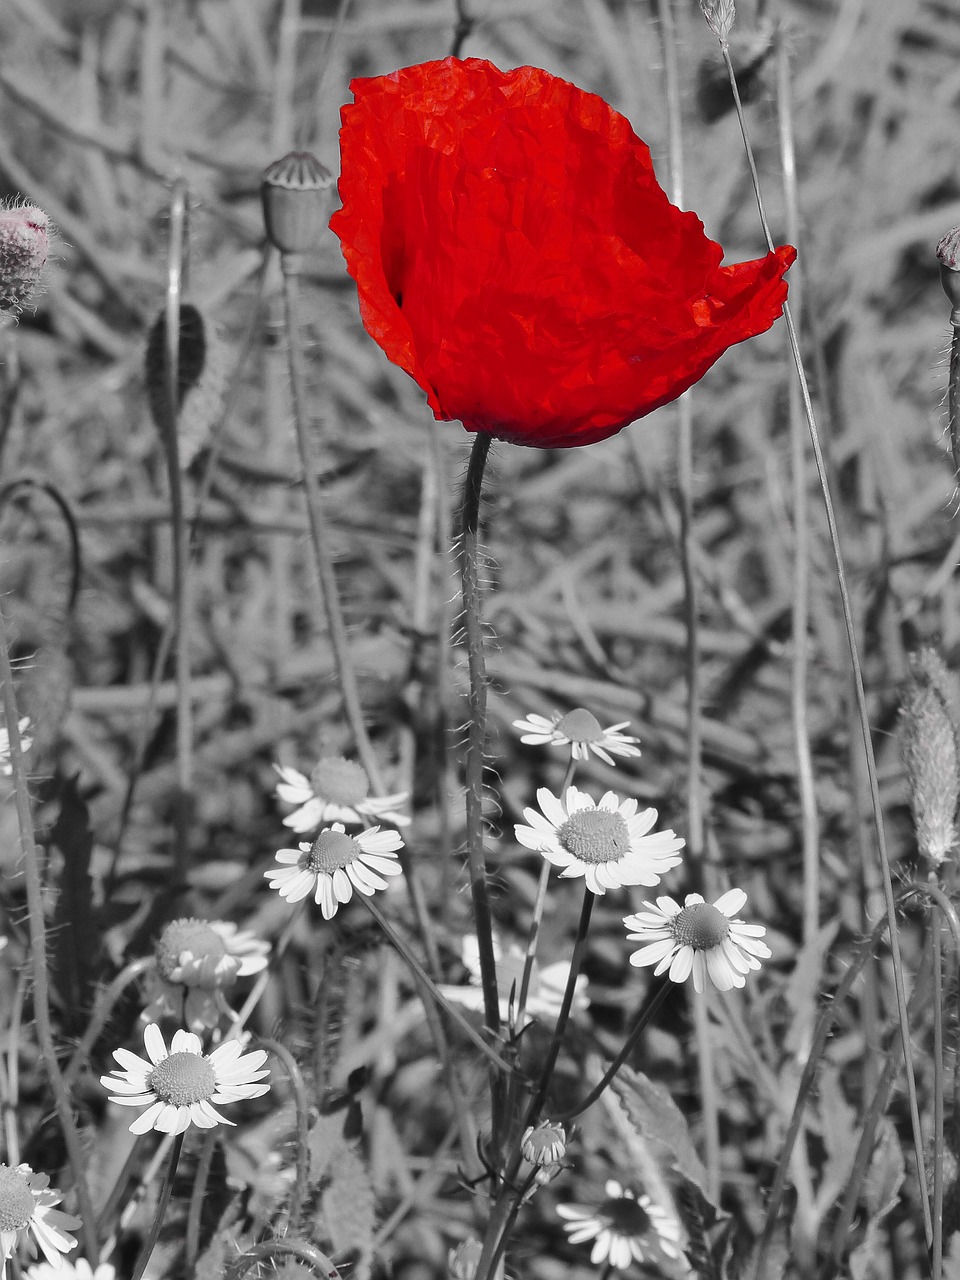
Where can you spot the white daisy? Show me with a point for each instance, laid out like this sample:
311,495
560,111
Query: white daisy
196,960
620,1227
608,843
581,731
79,1269
335,864
336,791
6,768
544,991
178,1088
700,938
26,1209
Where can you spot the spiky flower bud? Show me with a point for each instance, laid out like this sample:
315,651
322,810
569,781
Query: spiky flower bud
948,255
202,367
719,15
294,192
24,244
931,754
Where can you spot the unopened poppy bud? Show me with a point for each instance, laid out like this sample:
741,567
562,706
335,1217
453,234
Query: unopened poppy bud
202,366
545,1144
295,206
948,255
719,15
24,242
931,755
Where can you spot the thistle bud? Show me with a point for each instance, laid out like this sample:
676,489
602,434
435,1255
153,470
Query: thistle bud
201,379
295,205
24,242
931,754
948,255
719,15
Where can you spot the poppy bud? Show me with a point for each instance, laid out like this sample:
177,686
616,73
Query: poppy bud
931,755
948,255
201,379
294,194
24,231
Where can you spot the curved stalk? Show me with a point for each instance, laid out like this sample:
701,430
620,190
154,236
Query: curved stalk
162,1205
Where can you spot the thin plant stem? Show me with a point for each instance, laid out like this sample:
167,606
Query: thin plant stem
302,1107
463,28
644,1018
162,1205
38,951
176,274
426,981
290,264
197,1195
101,1014
861,698
114,1199
264,976
953,393
11,1150
308,1254
936,958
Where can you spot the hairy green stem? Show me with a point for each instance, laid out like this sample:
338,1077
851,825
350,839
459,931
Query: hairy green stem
38,952
299,1249
301,1103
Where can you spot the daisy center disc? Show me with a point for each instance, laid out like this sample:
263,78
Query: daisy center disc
339,781
700,926
17,1201
182,1079
625,1216
595,835
330,851
580,725
188,942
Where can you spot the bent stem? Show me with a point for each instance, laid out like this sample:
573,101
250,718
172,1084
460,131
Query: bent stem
861,698
299,1249
38,951
162,1205
295,1076
318,530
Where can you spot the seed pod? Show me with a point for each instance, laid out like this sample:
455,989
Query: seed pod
201,379
294,192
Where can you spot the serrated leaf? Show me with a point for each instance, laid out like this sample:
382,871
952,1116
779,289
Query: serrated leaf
659,1120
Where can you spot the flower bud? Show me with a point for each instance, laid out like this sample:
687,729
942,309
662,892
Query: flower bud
931,754
948,255
24,242
545,1144
719,15
295,206
201,379
462,1261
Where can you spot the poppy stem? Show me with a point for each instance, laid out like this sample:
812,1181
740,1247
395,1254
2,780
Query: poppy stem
476,731
162,1205
857,671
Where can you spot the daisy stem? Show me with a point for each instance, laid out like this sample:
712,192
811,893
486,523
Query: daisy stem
318,530
38,951
162,1204
425,980
197,1196
306,1253
473,763
953,393
295,1076
863,714
644,1018
936,1015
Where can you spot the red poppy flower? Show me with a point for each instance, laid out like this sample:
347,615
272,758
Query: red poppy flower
515,255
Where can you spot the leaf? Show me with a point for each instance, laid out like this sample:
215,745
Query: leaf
659,1120
77,937
881,1188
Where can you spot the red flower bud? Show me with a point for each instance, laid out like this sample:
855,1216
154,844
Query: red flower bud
515,255
294,194
24,242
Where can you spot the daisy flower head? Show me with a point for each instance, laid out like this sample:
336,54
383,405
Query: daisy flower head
335,864
27,1212
197,959
581,731
544,990
609,843
6,768
621,1227
79,1269
699,938
336,791
179,1087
